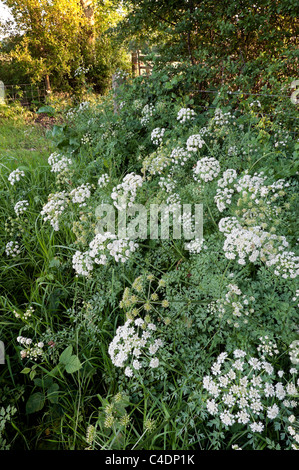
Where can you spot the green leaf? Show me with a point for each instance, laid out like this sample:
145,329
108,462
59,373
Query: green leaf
45,382
54,263
32,374
66,355
57,130
73,365
47,110
52,394
26,370
35,403
74,141
55,371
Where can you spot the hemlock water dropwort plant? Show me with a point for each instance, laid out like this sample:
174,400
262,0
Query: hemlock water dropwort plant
189,308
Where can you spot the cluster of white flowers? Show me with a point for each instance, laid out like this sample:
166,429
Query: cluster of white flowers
103,180
27,314
81,70
134,346
294,352
253,242
156,162
173,200
255,103
234,307
81,194
82,263
15,176
206,169
84,106
121,249
72,112
267,347
21,207
120,75
12,249
179,156
224,194
147,112
293,434
257,244
221,118
159,160
32,351
100,248
252,190
55,206
232,151
126,190
243,390
195,246
59,163
185,114
282,138
157,135
255,187
137,104
194,142
99,245
86,139
296,296
286,264
167,183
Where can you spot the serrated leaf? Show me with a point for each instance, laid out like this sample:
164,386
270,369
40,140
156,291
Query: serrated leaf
54,263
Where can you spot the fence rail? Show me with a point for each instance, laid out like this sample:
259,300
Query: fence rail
138,64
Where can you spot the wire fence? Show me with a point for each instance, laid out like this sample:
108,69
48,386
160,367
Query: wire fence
141,66
25,93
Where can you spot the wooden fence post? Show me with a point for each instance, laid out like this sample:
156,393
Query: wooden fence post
117,81
134,64
2,93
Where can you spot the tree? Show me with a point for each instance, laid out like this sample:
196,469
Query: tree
51,36
227,39
57,40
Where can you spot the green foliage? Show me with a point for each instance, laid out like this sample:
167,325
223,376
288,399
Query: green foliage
243,45
70,361
62,42
47,110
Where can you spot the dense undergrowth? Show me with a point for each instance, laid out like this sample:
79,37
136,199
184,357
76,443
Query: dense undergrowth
154,343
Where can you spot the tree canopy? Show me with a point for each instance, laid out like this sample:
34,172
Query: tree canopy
252,40
61,39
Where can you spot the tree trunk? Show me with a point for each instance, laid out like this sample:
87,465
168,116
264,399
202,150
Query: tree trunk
87,6
47,84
